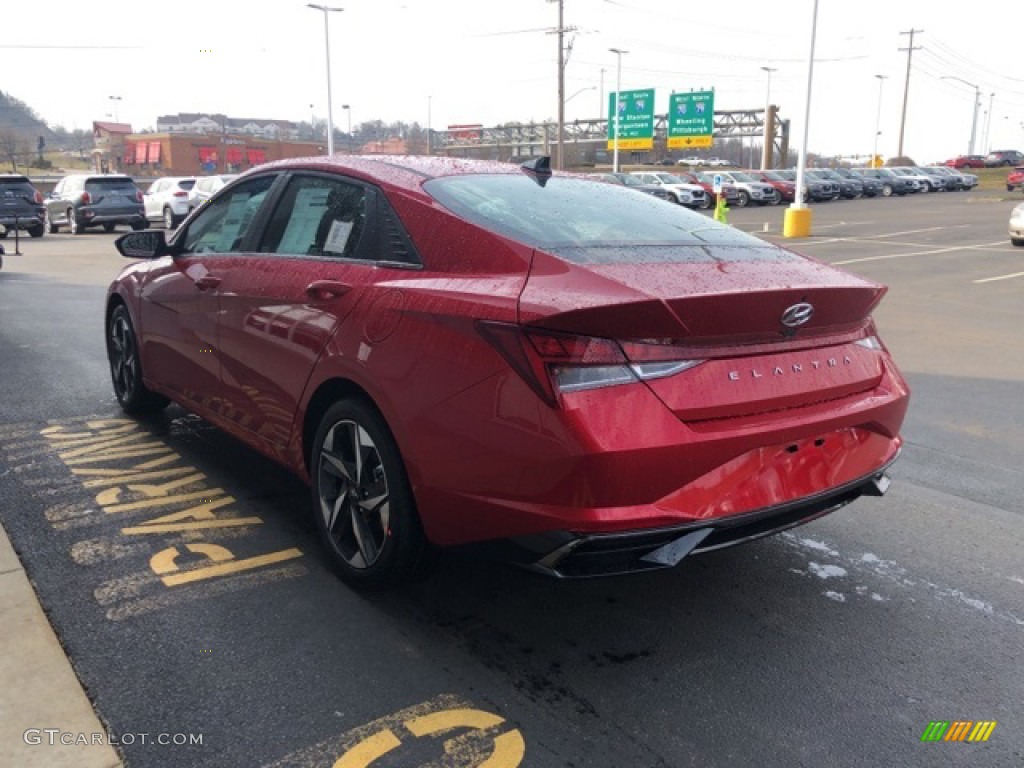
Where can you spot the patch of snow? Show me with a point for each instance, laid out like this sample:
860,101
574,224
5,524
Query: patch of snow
839,597
867,557
826,571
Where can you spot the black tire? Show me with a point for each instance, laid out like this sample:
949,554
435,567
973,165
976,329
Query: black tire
109,226
36,231
1018,241
138,225
50,226
3,234
126,367
74,225
743,199
706,202
366,513
170,220
887,190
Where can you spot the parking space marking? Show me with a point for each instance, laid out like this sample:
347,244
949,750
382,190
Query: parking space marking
1000,277
932,252
118,470
446,732
859,238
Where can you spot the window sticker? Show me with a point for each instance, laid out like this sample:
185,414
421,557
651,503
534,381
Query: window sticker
307,212
231,226
337,238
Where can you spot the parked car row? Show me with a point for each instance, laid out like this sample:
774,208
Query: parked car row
84,200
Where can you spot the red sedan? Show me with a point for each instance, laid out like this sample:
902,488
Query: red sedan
966,161
453,351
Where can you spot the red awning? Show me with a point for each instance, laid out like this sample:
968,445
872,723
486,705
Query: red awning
234,155
257,156
207,155
140,153
154,151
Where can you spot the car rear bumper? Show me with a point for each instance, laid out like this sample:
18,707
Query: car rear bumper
568,555
100,216
25,220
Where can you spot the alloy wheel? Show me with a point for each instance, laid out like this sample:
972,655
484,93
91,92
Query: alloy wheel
124,361
354,501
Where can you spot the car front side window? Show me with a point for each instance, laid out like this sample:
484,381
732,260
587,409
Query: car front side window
221,226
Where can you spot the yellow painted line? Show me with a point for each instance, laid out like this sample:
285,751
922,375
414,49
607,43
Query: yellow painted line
224,522
368,750
209,494
509,750
125,479
161,461
438,722
111,495
988,731
236,566
121,454
1001,277
198,512
101,444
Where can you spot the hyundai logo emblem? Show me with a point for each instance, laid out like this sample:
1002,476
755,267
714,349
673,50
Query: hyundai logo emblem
797,315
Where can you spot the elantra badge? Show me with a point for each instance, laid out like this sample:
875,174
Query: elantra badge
797,315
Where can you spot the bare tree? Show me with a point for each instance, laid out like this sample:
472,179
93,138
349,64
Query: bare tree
13,147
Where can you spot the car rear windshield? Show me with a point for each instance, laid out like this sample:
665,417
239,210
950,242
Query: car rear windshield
589,222
108,185
17,186
187,184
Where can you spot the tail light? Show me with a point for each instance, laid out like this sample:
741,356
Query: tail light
38,197
553,363
86,198
181,193
138,195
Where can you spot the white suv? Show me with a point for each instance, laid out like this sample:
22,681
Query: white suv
167,200
751,190
684,193
206,187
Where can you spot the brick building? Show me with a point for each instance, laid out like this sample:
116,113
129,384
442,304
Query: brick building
175,154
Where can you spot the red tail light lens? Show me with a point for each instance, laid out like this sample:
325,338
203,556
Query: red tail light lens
138,195
553,363
181,193
86,198
38,198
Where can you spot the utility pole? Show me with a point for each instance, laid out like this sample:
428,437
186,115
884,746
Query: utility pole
988,122
562,29
878,119
906,87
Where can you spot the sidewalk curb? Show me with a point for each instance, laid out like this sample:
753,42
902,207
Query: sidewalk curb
41,690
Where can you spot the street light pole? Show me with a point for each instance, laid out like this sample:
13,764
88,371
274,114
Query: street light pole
878,118
977,103
327,47
767,119
797,219
618,91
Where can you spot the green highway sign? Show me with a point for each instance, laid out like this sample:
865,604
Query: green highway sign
636,119
691,119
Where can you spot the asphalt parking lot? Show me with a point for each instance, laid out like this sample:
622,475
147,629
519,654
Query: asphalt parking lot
834,644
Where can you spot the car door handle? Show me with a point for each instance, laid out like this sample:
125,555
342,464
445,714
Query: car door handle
327,289
206,282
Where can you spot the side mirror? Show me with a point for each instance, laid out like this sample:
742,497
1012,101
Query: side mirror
148,244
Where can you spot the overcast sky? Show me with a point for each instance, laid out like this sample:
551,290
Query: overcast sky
484,61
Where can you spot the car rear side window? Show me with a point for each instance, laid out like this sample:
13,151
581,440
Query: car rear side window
589,222
317,216
221,225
